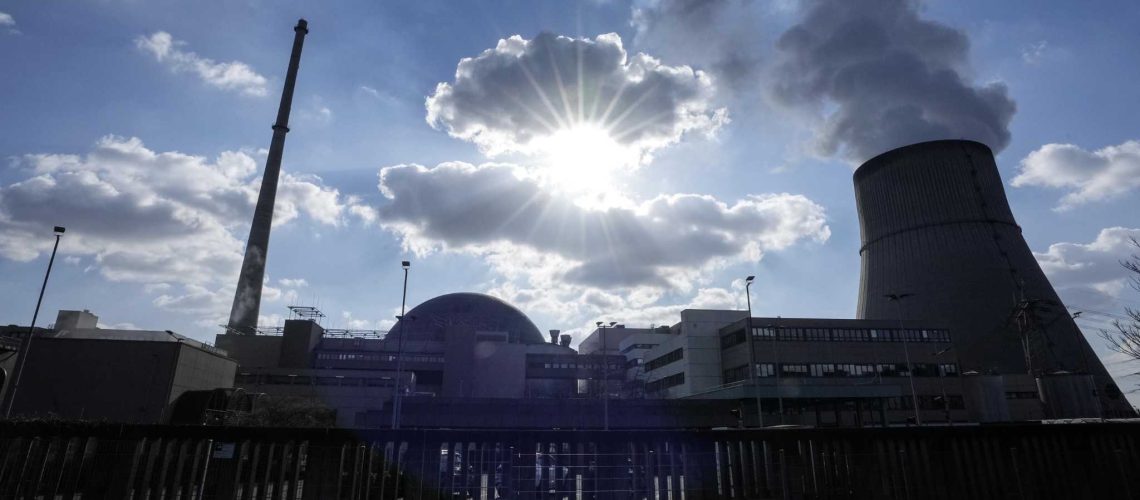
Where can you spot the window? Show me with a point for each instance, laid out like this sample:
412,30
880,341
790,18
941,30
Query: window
765,370
666,382
672,356
736,374
764,332
794,370
734,338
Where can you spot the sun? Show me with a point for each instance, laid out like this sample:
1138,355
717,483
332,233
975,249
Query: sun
584,157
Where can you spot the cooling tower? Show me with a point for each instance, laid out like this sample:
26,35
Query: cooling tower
935,224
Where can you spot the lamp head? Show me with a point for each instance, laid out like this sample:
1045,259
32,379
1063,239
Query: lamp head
749,279
405,264
612,323
598,324
60,229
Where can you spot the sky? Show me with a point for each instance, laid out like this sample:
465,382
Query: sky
585,161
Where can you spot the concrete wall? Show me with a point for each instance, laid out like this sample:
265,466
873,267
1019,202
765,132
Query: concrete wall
74,320
251,351
198,369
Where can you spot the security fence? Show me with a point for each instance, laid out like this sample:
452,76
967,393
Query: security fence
73,461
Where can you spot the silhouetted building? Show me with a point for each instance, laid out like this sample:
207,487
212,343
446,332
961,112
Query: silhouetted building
936,225
460,345
78,371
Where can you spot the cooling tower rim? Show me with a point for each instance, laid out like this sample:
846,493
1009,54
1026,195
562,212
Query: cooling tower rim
873,165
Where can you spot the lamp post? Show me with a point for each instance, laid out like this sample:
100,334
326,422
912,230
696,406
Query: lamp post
26,342
605,377
753,369
400,349
897,298
942,382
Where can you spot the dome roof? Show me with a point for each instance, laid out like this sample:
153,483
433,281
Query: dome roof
475,310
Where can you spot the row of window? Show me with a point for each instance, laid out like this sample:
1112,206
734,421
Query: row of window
926,402
377,356
837,335
665,382
249,379
670,357
842,370
637,346
580,365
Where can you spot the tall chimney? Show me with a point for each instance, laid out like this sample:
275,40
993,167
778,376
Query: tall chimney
247,297
554,336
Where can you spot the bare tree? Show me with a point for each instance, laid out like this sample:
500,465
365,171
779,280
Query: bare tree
1124,338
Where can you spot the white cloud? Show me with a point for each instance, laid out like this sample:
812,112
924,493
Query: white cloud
494,211
876,77
8,23
511,97
232,75
350,322
1089,176
170,221
1089,275
293,282
1032,53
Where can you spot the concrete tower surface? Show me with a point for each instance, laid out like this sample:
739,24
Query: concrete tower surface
247,297
935,224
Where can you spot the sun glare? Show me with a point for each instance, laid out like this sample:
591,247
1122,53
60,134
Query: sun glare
584,158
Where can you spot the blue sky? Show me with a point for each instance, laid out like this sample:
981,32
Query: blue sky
142,126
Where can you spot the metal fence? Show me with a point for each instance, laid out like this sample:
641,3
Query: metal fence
72,461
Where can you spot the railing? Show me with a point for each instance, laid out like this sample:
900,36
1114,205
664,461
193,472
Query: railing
336,333
1016,462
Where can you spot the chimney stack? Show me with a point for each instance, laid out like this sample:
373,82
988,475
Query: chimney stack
247,297
565,341
554,336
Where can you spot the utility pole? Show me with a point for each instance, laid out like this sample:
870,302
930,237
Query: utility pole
605,377
942,382
400,349
754,370
26,342
896,298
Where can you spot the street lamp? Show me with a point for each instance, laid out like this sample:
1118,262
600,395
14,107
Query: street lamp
942,382
26,342
605,377
400,349
897,298
753,369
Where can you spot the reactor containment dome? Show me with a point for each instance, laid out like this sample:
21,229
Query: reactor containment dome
481,313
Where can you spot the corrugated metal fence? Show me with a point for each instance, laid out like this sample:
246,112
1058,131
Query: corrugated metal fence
72,461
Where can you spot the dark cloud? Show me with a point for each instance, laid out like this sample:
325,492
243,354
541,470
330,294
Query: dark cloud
722,37
882,78
491,209
522,90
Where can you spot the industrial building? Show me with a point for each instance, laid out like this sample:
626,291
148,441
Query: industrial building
460,346
79,371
